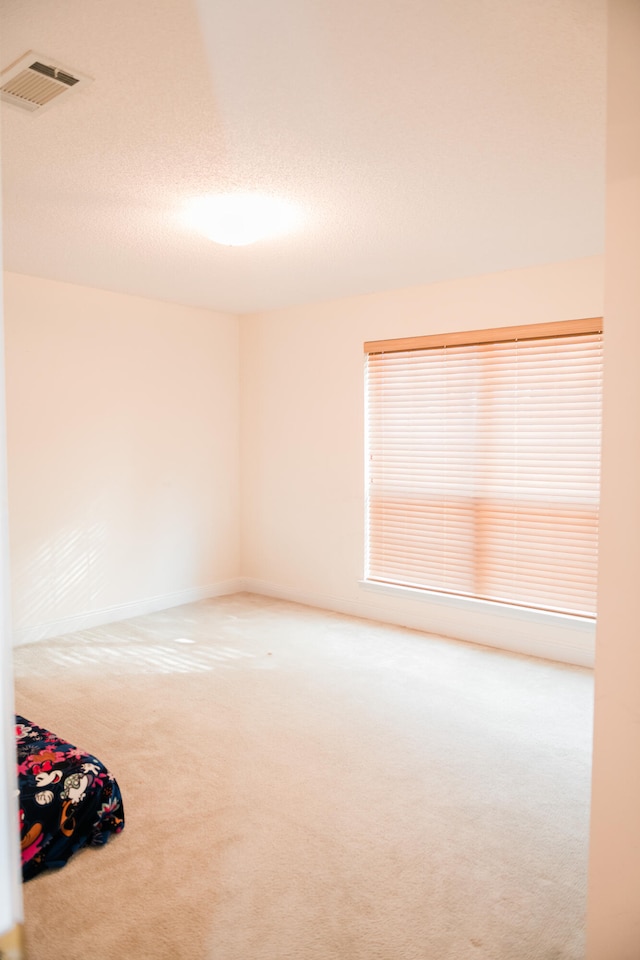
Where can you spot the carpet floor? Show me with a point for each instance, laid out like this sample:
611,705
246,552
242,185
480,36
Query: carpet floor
302,785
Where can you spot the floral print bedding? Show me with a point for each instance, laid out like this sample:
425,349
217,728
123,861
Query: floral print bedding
67,799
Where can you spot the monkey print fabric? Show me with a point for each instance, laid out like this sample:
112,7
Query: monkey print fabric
67,799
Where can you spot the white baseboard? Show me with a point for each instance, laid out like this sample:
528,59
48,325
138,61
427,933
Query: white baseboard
136,608
263,588
532,633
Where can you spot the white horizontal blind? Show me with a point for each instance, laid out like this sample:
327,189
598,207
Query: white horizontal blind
484,467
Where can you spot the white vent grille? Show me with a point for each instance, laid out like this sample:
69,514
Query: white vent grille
33,82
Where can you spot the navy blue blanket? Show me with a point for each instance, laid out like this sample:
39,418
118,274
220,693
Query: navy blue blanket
67,799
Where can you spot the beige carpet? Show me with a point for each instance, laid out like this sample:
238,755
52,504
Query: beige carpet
302,785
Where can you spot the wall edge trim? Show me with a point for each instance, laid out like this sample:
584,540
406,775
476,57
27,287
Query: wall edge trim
123,611
580,654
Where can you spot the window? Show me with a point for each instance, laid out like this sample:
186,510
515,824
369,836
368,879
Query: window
483,457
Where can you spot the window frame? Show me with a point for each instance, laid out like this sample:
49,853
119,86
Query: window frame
497,335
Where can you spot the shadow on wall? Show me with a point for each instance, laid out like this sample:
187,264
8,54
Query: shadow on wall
63,574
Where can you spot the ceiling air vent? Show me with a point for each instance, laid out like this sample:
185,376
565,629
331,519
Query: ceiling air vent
34,82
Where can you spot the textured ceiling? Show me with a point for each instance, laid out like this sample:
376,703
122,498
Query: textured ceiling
423,140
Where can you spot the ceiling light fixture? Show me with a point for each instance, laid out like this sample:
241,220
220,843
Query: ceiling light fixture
238,219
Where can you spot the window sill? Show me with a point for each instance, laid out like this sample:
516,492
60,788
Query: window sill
471,605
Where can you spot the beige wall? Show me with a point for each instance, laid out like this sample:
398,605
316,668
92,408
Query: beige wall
123,454
123,440
303,446
613,917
